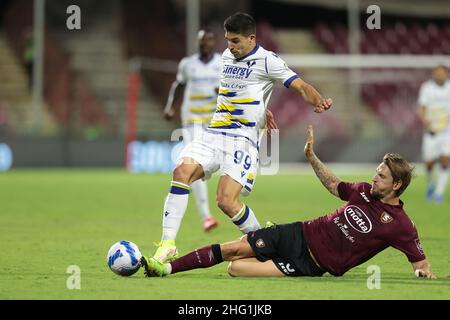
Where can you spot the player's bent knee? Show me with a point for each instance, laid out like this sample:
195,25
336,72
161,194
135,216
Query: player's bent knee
232,269
180,174
183,173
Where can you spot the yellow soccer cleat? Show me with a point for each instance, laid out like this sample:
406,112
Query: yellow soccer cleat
166,252
270,224
153,268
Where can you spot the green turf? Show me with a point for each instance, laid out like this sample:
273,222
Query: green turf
52,219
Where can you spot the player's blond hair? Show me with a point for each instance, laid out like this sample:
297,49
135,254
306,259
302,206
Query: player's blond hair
401,170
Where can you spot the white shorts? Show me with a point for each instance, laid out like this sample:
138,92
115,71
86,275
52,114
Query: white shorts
233,156
434,146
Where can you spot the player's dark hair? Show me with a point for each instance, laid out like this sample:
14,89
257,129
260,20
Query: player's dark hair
400,169
202,32
240,23
206,30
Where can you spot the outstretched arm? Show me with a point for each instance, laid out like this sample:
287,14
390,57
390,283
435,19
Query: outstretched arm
176,90
310,94
422,269
325,175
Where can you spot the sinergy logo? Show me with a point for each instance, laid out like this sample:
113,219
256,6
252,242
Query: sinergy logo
357,219
236,71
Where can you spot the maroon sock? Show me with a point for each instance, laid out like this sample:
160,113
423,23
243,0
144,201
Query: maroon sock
199,258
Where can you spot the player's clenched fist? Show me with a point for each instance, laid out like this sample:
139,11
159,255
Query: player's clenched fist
323,105
424,274
168,115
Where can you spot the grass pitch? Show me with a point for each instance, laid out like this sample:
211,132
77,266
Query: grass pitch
52,219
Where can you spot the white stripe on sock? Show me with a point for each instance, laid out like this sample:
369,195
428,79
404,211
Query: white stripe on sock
250,224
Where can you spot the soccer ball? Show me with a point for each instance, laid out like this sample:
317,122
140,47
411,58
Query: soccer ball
124,258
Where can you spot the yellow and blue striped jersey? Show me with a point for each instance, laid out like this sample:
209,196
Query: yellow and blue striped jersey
245,88
200,95
436,100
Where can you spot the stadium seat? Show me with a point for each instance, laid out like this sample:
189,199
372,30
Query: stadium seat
398,38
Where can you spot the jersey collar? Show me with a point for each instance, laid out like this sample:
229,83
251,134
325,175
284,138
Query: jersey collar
205,62
250,53
398,206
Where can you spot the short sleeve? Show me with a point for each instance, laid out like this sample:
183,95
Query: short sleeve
278,70
345,190
408,242
422,100
181,73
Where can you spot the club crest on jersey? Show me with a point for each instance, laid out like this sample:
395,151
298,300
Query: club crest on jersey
251,63
386,218
260,243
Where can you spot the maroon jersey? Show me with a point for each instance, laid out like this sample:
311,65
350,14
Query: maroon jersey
360,229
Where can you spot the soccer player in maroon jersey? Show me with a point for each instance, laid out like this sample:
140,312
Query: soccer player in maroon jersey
372,220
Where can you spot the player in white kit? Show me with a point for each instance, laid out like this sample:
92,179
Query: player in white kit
198,80
434,112
230,143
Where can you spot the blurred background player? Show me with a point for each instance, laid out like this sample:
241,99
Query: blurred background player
372,220
198,81
231,141
434,112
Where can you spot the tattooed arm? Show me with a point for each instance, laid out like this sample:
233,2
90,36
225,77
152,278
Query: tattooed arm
328,178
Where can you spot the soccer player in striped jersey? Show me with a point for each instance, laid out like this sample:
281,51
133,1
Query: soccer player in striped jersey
434,112
230,143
